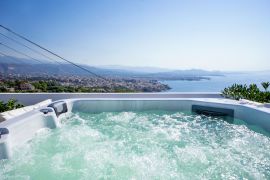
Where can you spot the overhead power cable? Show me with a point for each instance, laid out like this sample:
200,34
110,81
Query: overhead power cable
4,54
45,49
18,42
19,52
16,59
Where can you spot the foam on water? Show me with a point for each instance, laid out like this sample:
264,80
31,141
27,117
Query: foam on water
142,145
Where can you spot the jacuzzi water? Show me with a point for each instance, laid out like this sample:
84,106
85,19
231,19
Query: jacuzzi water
142,145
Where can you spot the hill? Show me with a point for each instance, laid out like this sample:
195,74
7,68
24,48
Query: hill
14,65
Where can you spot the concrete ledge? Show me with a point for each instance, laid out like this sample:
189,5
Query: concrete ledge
33,98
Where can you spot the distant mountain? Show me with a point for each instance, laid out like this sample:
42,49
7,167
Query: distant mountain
142,69
31,67
15,60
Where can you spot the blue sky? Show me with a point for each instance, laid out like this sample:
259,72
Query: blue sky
212,35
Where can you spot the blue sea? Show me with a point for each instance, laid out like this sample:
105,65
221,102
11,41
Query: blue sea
218,83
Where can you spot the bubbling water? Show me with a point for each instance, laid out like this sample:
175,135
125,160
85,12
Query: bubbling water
142,145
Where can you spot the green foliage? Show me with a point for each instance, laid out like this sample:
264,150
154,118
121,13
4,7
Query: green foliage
42,85
10,105
54,86
251,92
265,85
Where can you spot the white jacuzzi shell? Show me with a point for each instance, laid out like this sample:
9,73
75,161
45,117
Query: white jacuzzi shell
24,127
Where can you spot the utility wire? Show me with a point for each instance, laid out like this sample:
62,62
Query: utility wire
3,54
19,60
14,40
11,57
90,72
19,52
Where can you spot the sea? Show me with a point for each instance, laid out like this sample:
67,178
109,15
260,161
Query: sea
218,83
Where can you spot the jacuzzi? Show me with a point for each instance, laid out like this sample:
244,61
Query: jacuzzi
21,130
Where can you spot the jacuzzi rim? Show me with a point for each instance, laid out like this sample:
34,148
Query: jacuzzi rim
213,101
22,120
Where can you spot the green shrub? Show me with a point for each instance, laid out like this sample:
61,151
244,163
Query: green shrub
10,105
265,85
251,92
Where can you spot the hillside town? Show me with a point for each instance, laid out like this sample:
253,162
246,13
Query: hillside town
54,83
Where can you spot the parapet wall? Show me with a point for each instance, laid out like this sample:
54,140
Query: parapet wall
33,98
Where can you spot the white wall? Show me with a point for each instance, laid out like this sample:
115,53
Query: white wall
33,98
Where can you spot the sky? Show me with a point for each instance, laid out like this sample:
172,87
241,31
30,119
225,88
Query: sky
226,35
